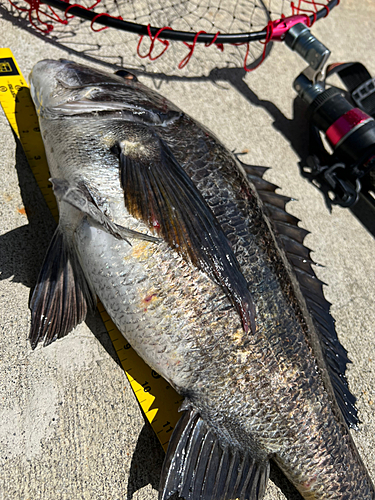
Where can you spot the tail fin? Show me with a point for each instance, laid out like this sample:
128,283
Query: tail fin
199,466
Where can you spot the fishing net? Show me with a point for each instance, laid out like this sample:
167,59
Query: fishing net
61,22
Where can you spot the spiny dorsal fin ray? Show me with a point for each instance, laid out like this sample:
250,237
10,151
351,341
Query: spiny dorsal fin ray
255,170
279,214
301,263
274,199
199,465
291,237
262,184
293,247
158,191
291,230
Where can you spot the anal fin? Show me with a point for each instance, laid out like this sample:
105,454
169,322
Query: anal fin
200,466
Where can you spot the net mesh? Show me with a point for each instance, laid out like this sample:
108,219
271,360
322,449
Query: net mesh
152,54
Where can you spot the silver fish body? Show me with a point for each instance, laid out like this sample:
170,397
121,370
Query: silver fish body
209,283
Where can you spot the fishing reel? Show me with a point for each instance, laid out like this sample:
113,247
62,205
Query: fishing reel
341,160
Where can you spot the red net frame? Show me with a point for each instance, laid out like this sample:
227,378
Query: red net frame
44,18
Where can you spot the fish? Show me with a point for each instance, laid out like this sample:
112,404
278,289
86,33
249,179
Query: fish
152,207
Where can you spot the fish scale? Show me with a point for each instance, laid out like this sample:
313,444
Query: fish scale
249,361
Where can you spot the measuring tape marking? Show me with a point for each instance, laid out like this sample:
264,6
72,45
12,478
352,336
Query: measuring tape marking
156,397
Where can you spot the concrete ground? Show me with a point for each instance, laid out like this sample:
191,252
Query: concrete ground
70,427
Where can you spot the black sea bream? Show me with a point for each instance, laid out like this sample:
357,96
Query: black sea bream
152,206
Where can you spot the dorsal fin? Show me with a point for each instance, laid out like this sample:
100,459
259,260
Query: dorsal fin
291,237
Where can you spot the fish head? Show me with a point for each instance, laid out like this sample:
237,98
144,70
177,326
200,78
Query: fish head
65,88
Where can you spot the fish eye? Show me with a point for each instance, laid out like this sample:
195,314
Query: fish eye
126,74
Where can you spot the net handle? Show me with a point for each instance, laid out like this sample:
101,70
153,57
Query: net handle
184,36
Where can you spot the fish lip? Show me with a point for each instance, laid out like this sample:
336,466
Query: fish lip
49,78
83,85
129,112
95,76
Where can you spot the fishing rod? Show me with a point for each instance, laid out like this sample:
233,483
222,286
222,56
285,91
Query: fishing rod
341,163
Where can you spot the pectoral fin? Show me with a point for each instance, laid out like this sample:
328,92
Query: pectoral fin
78,199
158,191
62,296
198,466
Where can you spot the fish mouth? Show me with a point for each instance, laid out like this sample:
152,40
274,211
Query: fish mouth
72,75
52,86
66,89
75,76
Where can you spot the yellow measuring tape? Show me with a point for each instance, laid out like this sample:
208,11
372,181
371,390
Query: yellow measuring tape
157,398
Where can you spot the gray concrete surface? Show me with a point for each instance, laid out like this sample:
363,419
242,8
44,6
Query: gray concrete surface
69,425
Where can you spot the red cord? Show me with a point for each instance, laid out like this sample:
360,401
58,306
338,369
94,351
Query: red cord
314,4
17,7
68,9
104,27
220,46
34,7
192,45
153,40
269,28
